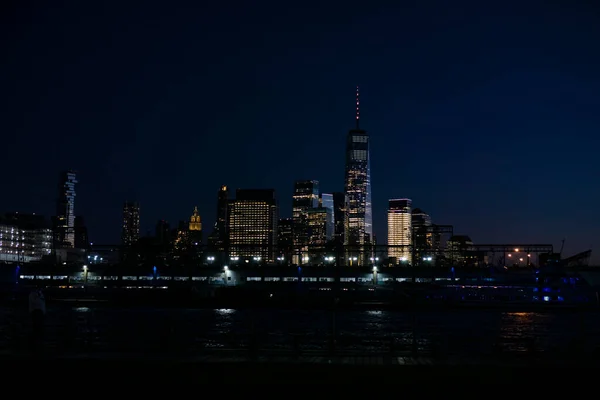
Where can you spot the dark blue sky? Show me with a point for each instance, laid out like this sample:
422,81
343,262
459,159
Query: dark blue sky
488,117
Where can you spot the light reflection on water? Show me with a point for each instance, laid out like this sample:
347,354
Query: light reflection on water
463,330
225,311
520,314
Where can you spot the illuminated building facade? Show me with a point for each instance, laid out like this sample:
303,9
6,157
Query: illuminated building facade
24,238
64,222
285,239
195,228
339,216
218,239
328,204
306,196
358,229
131,223
423,238
319,233
181,237
319,229
253,218
195,222
400,231
458,249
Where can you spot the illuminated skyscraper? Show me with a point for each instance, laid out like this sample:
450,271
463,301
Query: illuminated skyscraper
195,228
358,228
423,238
181,236
195,223
131,223
253,218
285,238
400,230
306,197
339,216
319,229
219,237
64,222
328,204
222,204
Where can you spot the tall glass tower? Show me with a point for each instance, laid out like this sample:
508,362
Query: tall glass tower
131,223
219,237
65,210
358,224
400,231
327,203
306,197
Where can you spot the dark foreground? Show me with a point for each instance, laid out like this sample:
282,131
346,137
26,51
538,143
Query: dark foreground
144,347
322,370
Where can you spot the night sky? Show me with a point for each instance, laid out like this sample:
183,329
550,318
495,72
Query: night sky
488,117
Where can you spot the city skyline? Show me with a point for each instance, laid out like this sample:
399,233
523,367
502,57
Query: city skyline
481,123
67,192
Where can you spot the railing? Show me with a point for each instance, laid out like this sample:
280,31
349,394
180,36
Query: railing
330,254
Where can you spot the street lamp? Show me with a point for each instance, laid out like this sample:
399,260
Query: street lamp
225,271
210,259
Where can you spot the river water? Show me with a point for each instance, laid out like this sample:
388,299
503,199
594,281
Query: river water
197,330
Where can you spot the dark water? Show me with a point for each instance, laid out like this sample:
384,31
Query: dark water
155,330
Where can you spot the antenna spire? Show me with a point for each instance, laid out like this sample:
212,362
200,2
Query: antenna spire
357,107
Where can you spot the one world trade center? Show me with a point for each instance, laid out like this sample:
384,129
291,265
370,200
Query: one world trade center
358,224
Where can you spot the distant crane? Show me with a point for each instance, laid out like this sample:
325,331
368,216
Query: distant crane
562,246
